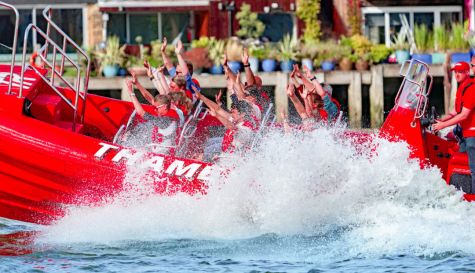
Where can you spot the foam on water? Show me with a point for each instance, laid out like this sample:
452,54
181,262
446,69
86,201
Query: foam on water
315,185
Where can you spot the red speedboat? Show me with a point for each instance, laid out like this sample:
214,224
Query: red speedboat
59,144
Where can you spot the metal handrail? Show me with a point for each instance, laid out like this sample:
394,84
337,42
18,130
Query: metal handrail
54,72
47,12
15,40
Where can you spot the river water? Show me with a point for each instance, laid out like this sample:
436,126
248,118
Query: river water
301,204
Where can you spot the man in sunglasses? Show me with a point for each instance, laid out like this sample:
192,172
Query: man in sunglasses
463,114
160,126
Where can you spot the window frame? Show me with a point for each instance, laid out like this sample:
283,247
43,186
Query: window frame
385,10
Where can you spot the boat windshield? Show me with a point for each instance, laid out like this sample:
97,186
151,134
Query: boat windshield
413,86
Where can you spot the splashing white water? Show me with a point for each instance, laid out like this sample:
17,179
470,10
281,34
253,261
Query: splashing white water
308,185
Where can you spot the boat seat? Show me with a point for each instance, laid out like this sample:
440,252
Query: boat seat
47,108
69,126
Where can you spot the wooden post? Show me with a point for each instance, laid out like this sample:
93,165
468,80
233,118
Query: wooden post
355,100
376,96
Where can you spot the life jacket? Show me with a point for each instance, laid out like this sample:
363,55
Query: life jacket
230,141
324,114
167,135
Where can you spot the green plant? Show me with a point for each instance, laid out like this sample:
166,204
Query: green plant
399,41
307,11
257,51
354,16
361,46
441,38
270,52
112,54
307,50
423,38
216,51
249,25
457,39
328,50
203,42
379,53
288,48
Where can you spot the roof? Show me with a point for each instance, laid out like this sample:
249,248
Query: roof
50,2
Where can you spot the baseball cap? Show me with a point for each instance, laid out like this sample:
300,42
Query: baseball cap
461,66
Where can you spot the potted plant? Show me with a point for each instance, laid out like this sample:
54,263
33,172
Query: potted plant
326,56
256,53
288,53
424,42
308,52
347,55
379,53
216,54
441,43
250,27
136,62
401,47
361,47
458,44
269,63
198,54
111,57
233,52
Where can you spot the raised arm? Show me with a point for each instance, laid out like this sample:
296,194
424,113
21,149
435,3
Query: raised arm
138,107
227,71
239,87
181,61
226,117
247,68
166,60
162,80
298,105
142,90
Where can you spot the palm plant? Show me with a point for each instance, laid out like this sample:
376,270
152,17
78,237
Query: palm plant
288,48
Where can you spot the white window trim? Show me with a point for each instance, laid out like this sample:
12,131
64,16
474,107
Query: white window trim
436,10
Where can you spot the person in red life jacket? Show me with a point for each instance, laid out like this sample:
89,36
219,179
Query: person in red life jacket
463,114
239,124
160,127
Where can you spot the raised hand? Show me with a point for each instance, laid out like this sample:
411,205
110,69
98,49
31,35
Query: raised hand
149,68
134,78
290,90
304,93
307,72
225,60
129,84
245,56
217,97
296,71
179,47
164,45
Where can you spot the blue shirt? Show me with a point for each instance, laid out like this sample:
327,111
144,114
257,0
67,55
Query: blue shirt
188,79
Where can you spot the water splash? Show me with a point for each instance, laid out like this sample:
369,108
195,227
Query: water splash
316,185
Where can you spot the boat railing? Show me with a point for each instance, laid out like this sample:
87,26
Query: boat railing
14,45
54,72
79,89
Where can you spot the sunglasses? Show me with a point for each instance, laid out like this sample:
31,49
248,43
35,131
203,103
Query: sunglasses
160,106
472,65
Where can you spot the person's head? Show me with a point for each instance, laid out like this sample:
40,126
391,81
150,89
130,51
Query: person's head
161,104
180,99
188,65
472,64
178,83
462,71
241,111
252,94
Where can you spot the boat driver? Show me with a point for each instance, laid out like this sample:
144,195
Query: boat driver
463,114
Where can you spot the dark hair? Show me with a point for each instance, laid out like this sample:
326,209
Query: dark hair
253,91
245,108
180,81
190,68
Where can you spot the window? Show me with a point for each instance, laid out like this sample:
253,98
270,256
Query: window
117,25
277,25
380,23
176,24
7,28
375,27
150,26
144,25
69,20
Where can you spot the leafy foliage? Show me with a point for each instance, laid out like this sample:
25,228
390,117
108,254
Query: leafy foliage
249,25
307,11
